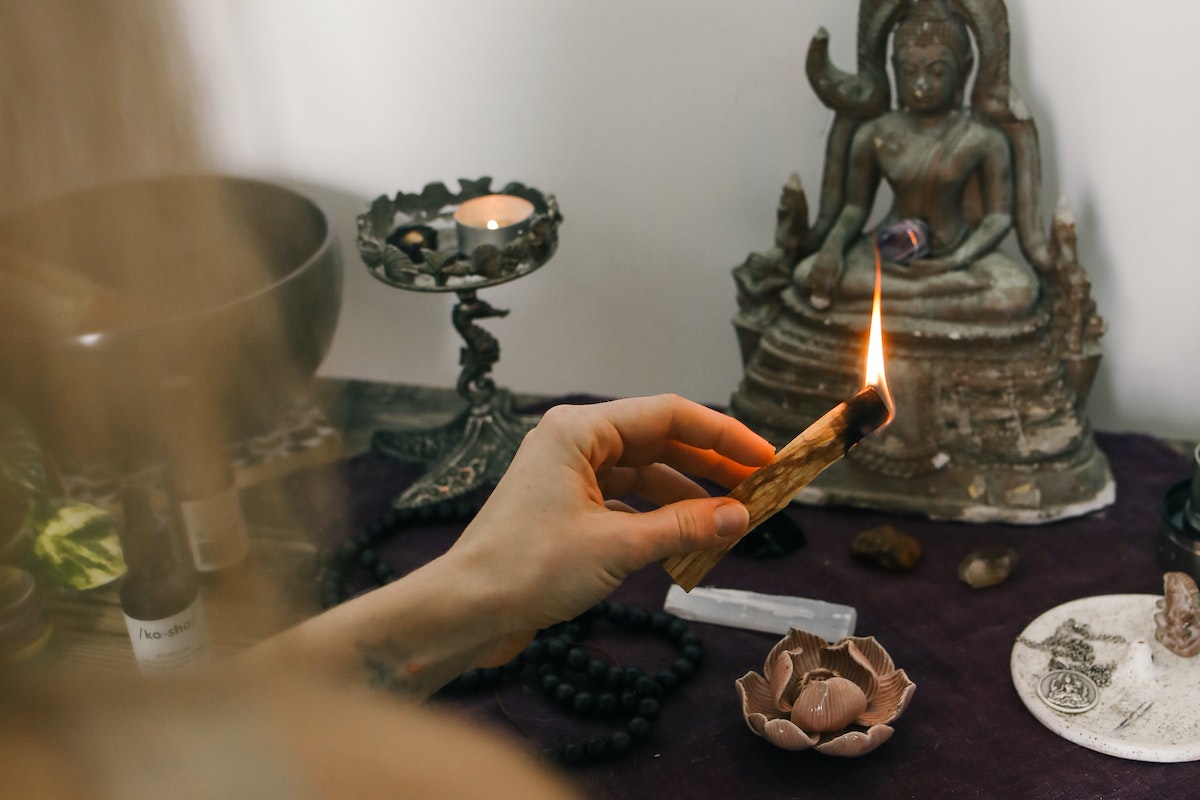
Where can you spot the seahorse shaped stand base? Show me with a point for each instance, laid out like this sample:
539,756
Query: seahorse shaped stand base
475,448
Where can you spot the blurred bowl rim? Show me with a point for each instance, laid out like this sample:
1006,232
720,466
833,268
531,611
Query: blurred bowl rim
94,338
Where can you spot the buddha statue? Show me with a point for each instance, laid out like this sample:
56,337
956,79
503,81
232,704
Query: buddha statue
990,354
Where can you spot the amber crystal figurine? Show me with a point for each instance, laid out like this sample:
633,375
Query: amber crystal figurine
1177,622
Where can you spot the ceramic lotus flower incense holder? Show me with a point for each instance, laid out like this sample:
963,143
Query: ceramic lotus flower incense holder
838,698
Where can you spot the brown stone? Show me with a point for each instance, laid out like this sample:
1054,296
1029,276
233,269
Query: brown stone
886,547
987,566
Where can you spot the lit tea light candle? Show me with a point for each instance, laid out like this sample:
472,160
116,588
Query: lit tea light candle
494,219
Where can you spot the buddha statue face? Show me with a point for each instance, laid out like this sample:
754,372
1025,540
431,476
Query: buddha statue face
932,59
928,79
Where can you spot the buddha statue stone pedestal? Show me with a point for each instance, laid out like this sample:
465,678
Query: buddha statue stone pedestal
989,357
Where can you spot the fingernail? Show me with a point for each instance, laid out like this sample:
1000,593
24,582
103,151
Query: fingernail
731,519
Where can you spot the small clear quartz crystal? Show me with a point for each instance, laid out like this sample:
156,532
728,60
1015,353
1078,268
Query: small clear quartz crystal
987,566
903,241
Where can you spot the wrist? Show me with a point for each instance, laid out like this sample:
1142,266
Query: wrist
450,615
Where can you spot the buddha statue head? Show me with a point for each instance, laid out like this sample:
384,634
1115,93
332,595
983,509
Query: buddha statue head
932,58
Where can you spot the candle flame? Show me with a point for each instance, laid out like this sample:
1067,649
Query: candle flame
873,374
492,225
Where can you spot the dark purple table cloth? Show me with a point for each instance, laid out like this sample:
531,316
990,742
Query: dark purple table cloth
966,732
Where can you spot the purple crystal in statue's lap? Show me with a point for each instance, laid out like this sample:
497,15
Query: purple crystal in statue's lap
901,242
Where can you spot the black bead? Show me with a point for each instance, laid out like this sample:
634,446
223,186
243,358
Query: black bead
639,619
693,653
534,652
639,728
597,747
573,631
606,703
367,557
551,755
556,649
629,701
576,659
689,638
614,677
617,613
574,753
383,572
649,708
633,675
667,680
550,683
583,703
683,669
597,669
676,630
564,692
620,742
647,687
660,621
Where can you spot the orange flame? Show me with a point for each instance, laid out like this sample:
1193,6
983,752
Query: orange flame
873,374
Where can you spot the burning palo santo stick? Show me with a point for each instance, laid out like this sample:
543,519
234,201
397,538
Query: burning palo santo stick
771,488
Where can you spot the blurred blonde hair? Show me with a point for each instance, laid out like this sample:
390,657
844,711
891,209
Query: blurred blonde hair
96,94
92,92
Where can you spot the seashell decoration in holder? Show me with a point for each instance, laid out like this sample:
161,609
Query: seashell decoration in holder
839,699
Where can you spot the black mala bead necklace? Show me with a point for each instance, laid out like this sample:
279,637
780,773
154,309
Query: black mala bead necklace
627,699
358,552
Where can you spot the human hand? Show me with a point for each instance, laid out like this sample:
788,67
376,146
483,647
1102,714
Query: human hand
553,539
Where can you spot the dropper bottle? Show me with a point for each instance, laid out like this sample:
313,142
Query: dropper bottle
202,484
160,594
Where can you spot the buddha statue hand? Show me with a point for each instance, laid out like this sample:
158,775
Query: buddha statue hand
921,267
824,276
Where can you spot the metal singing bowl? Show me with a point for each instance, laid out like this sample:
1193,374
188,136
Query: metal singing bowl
236,284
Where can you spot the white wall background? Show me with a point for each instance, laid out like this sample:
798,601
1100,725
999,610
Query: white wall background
666,129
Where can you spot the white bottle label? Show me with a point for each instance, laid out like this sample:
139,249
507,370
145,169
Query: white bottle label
164,645
216,530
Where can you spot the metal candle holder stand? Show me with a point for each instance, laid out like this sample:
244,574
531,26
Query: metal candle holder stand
408,242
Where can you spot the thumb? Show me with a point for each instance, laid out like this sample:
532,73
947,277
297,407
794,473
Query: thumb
690,525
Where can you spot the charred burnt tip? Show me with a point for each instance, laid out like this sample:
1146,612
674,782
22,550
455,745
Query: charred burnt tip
866,413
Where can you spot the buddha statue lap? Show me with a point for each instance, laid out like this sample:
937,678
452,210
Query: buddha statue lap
989,355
